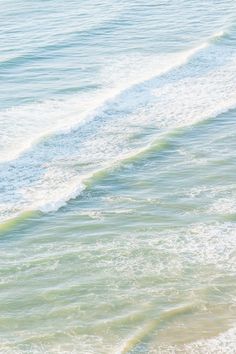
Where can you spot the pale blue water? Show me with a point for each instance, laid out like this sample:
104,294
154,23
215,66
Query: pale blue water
117,178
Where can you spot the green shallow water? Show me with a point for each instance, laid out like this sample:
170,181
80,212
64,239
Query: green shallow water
142,262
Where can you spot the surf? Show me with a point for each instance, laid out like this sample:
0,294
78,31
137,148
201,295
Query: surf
54,168
41,120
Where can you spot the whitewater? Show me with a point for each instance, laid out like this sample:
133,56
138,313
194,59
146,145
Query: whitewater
117,177
46,186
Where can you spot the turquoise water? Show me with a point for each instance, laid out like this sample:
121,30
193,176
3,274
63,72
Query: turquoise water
117,178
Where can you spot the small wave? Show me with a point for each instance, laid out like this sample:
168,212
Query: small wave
123,124
151,326
217,35
18,219
45,119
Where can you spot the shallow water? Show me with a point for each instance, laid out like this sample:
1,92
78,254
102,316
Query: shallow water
117,179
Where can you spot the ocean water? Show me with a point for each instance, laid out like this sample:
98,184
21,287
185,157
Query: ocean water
117,176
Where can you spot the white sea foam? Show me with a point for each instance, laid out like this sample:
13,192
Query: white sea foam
185,263
169,92
23,126
224,343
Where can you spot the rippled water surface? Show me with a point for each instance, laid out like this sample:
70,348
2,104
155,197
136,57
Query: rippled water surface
117,177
